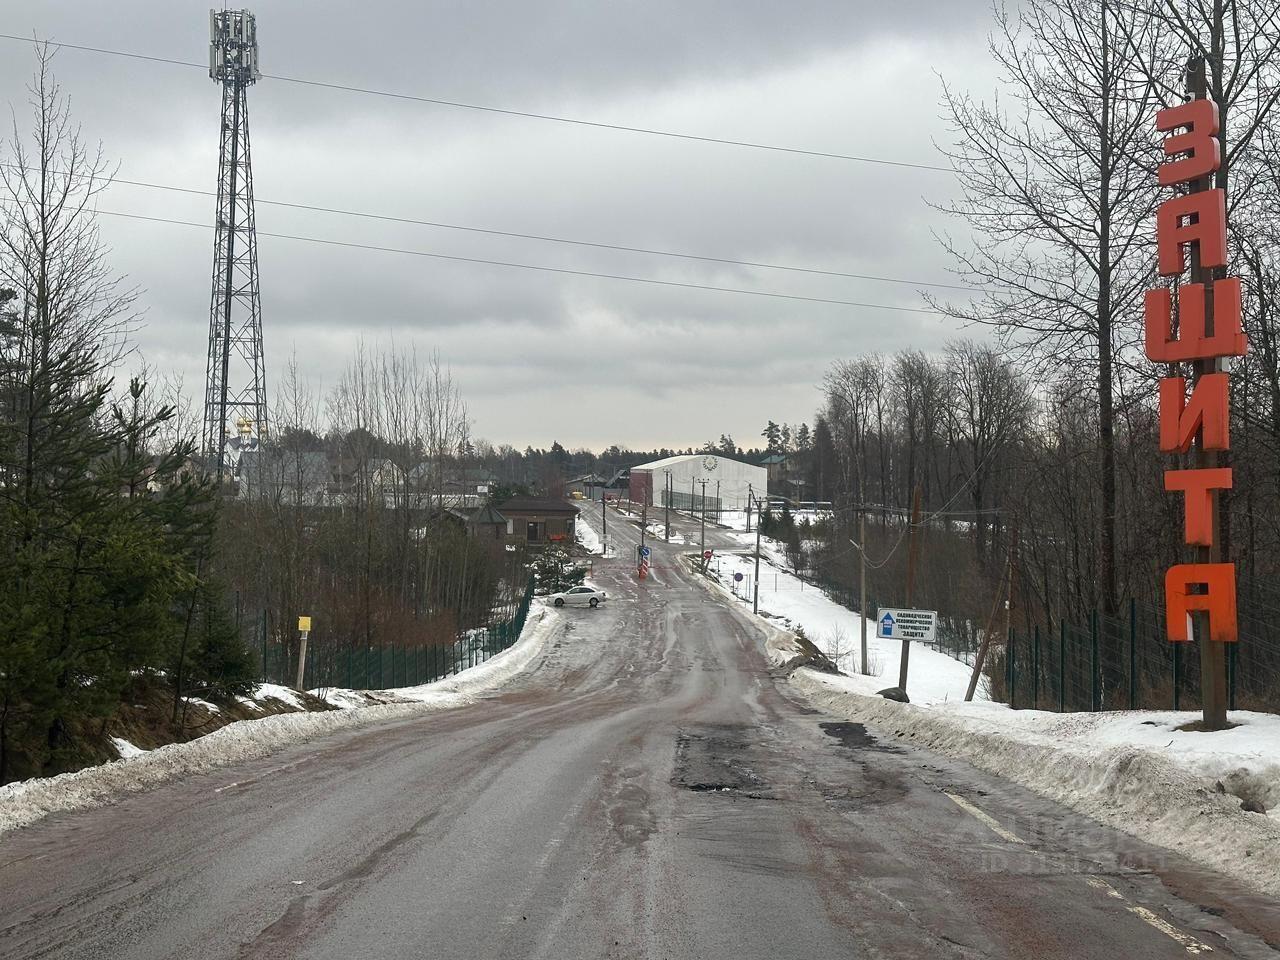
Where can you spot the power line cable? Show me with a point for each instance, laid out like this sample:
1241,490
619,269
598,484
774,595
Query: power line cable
529,266
386,218
625,128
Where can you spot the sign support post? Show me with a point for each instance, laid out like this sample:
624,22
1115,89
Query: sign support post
912,553
304,628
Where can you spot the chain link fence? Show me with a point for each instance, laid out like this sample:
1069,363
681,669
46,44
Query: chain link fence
367,667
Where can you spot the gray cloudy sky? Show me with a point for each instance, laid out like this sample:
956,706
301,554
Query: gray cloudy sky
539,356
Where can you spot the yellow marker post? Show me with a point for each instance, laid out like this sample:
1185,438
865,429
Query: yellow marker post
304,628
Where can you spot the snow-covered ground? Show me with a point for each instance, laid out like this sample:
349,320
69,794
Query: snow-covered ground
587,537
27,801
933,677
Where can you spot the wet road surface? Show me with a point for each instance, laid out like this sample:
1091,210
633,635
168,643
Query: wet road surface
649,789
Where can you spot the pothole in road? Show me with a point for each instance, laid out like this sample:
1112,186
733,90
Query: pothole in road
855,737
716,759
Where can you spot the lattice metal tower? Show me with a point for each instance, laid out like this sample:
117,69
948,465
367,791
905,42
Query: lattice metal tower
235,400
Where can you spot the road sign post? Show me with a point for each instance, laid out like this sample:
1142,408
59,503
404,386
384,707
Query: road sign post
304,628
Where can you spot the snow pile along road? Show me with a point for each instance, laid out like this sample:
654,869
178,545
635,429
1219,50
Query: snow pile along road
26,802
1129,771
1134,771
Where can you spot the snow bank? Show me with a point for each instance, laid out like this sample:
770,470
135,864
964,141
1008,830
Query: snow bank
274,691
587,536
126,749
1131,771
26,802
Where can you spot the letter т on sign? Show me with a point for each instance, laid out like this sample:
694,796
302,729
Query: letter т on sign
1208,328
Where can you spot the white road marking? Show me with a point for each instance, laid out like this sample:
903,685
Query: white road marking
984,818
1190,943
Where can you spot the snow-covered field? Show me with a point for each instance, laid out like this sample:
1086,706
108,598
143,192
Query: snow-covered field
27,801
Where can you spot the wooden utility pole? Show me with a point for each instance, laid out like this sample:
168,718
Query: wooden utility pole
862,587
749,493
913,548
1213,657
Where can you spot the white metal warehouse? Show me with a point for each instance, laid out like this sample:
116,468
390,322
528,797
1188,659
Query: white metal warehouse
728,483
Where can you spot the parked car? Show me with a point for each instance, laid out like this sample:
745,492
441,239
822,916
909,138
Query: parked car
578,597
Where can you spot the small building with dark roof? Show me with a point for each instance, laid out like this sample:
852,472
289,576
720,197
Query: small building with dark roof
487,523
540,520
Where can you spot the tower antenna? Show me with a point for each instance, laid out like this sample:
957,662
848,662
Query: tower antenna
235,378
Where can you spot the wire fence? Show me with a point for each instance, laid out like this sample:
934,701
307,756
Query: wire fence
1125,663
1106,662
368,667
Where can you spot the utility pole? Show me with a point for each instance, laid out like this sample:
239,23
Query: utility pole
604,524
749,495
862,586
717,502
667,507
703,538
755,582
1213,659
913,546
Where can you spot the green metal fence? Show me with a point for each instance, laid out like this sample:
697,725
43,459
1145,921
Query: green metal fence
369,667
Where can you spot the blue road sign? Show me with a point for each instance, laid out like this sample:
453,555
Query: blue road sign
738,577
886,625
644,551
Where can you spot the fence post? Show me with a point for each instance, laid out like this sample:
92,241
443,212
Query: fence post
1177,676
1010,670
1035,667
1097,704
1062,666
1133,653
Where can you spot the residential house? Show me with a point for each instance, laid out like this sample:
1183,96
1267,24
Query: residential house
540,520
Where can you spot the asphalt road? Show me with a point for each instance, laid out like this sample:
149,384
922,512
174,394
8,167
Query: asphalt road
647,790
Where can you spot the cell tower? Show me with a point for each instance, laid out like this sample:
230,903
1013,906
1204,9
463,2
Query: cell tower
235,381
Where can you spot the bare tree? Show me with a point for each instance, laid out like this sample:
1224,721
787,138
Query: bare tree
1056,182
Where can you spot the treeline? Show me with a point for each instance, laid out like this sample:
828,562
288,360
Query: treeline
102,589
354,517
1053,431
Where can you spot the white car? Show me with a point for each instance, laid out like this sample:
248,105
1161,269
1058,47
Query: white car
578,597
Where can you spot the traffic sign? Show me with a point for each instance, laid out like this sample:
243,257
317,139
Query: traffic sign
899,624
737,577
706,554
644,551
